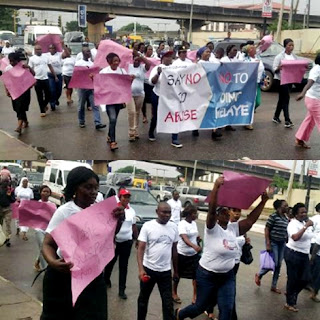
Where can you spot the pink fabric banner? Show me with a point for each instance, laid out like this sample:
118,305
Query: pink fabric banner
87,240
18,80
192,55
4,62
266,42
46,40
15,210
36,214
154,62
293,70
108,46
110,88
81,77
240,190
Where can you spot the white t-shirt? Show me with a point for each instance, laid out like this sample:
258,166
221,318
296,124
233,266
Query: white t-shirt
99,197
24,193
227,59
213,59
56,61
191,230
40,66
117,71
5,51
38,229
304,243
314,91
288,57
84,63
68,66
179,62
125,232
315,227
137,86
79,56
154,71
241,241
159,239
94,52
317,241
176,208
220,248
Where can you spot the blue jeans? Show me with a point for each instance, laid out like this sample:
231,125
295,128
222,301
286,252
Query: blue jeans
113,111
85,94
153,123
210,286
278,252
55,89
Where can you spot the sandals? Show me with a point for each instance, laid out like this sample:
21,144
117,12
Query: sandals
113,146
25,124
108,139
291,308
25,238
314,298
257,280
19,130
145,120
276,290
177,300
302,144
176,313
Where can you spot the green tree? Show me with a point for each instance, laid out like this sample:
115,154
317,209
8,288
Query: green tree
139,28
282,183
6,21
72,26
285,26
129,169
59,22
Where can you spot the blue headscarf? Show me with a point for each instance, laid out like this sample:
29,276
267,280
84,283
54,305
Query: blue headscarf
201,51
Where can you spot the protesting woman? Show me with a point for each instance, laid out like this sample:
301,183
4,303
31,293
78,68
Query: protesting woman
80,193
312,101
68,63
215,274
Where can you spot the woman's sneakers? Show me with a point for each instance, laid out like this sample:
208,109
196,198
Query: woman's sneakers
176,144
288,124
276,120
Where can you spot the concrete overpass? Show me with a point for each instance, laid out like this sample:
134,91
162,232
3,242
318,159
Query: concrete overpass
100,11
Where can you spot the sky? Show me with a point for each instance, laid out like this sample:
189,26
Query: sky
165,24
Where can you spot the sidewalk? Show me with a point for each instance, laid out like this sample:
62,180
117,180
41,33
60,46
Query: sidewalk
17,305
12,148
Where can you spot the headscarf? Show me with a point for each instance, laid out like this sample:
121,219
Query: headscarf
201,51
21,181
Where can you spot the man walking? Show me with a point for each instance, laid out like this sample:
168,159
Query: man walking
176,207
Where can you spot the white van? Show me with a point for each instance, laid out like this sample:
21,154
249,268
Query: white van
55,177
6,35
31,33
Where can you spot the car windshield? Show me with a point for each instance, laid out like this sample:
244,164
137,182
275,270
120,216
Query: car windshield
203,192
15,170
6,36
273,50
77,47
35,176
17,41
142,197
170,189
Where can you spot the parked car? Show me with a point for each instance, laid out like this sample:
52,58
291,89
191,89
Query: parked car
142,201
16,171
193,196
35,181
76,47
267,58
161,192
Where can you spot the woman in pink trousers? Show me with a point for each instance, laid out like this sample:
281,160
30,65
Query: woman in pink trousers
312,100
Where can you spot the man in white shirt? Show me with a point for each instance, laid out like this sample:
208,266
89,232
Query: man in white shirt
40,63
176,207
7,49
157,247
182,57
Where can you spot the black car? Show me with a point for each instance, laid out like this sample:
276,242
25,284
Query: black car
35,181
142,201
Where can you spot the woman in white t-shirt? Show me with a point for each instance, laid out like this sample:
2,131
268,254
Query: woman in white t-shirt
312,101
68,63
23,193
296,254
215,274
188,249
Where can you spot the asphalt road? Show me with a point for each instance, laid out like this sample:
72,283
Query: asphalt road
16,264
59,134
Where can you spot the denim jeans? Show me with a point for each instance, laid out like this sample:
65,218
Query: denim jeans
298,272
153,123
55,88
210,286
315,269
85,94
113,111
164,282
278,252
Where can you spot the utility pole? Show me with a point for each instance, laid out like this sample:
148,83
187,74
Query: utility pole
291,15
190,23
291,181
278,34
303,168
194,172
308,14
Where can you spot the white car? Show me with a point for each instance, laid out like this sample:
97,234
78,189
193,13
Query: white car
161,192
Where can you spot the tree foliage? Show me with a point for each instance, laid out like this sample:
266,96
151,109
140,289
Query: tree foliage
129,169
72,26
6,21
139,28
285,26
282,183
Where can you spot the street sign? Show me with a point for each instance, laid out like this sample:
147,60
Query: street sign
313,168
267,9
82,16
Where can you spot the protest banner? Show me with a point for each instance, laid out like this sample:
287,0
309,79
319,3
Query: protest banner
18,80
207,96
108,46
117,90
35,214
81,77
240,190
293,70
15,210
48,39
87,240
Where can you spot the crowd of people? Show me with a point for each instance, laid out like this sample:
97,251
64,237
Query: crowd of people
54,68
169,248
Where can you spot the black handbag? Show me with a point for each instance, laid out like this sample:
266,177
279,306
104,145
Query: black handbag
246,256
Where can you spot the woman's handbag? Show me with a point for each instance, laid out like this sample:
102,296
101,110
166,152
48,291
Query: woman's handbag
246,256
266,260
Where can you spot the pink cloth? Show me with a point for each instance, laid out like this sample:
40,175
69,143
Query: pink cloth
240,190
312,118
15,210
266,42
18,80
154,62
108,46
87,240
293,70
36,214
192,55
81,77
110,88
46,40
4,62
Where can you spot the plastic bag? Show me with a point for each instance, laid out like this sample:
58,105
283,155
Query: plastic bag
246,256
266,260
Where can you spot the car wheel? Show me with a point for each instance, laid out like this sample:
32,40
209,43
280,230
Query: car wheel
187,204
268,83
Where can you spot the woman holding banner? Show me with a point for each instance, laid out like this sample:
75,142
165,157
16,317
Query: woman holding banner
80,193
312,100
